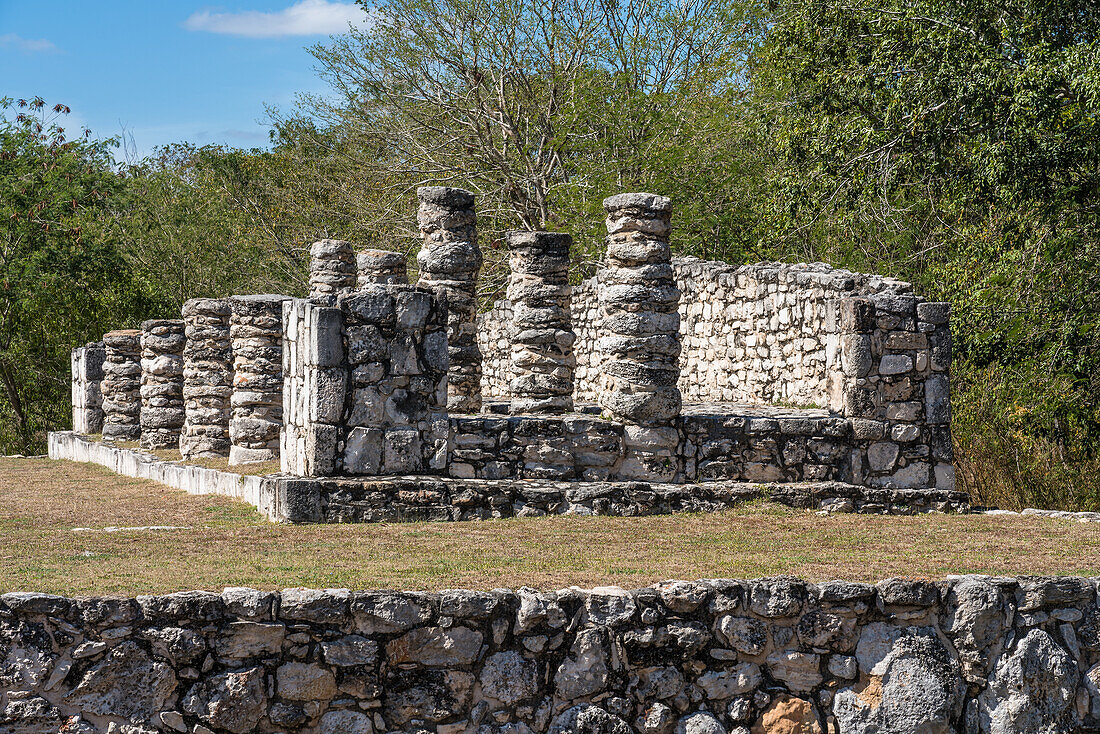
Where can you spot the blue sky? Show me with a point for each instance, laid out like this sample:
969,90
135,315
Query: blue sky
166,70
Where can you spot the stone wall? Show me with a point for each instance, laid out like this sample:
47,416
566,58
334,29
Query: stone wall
87,397
861,347
978,654
366,383
765,333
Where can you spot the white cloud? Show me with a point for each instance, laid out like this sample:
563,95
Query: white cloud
303,18
27,45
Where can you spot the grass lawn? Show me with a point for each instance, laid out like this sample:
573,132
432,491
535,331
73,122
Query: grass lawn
227,544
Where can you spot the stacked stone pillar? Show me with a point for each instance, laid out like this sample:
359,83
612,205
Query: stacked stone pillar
121,386
256,331
449,263
87,374
207,378
542,334
640,346
382,267
161,383
331,268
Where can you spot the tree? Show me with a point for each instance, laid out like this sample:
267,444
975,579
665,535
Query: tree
542,107
953,142
63,280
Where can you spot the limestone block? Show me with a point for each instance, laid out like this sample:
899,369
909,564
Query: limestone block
381,267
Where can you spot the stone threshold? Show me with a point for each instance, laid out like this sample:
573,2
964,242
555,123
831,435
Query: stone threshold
283,498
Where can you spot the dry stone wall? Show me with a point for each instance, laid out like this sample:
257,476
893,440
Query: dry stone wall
971,653
87,396
862,347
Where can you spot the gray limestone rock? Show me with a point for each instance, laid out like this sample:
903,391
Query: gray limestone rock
1031,689
914,687
509,678
234,701
585,671
126,683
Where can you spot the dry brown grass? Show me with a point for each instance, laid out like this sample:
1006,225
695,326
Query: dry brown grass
228,544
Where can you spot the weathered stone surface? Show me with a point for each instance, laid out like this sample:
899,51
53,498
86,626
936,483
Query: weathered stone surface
305,682
126,683
1030,690
243,640
509,678
724,684
436,647
977,618
585,671
699,723
588,719
914,687
233,701
788,715
346,722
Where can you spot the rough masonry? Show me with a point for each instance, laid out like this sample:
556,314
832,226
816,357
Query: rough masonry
332,268
87,395
207,378
121,386
256,331
542,334
381,267
640,340
970,653
162,412
449,263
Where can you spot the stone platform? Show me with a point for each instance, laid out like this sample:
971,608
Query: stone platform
284,498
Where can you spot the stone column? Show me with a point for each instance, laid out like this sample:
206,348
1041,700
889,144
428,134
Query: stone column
331,268
121,386
161,383
542,333
640,344
87,374
449,262
381,267
256,330
207,378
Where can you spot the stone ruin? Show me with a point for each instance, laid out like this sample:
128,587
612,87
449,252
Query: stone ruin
669,371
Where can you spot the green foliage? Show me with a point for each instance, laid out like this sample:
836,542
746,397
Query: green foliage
63,280
954,144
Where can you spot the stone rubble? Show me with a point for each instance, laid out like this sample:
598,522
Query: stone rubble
381,267
715,656
162,411
207,378
449,262
121,386
257,400
640,341
542,335
331,268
